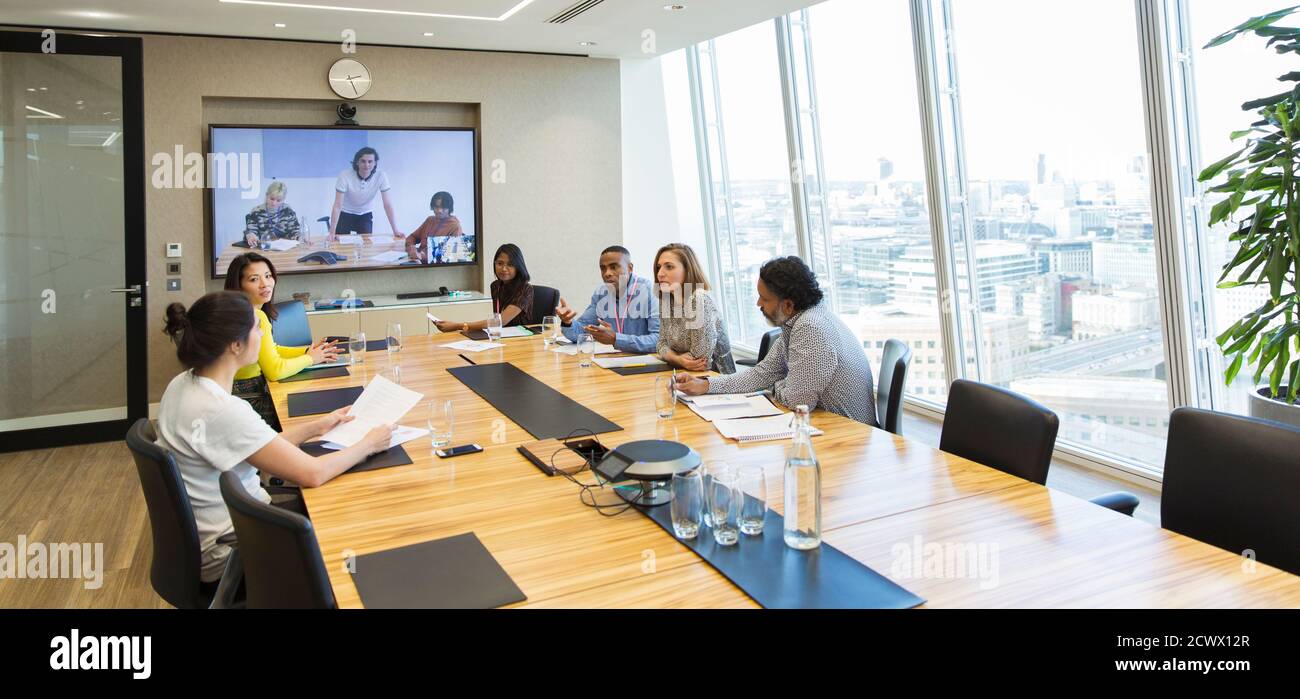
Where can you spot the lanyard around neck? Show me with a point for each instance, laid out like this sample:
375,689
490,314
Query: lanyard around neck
618,314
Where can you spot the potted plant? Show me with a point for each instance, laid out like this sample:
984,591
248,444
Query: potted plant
1262,181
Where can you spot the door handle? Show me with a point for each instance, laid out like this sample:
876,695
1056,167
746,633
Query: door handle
133,289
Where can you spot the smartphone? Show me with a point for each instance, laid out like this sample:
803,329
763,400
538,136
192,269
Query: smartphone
459,451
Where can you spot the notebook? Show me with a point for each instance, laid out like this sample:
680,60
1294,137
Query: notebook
636,360
730,406
760,429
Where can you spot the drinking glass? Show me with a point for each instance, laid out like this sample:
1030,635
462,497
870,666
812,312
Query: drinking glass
665,398
357,348
753,490
586,349
724,505
706,475
688,501
441,422
394,335
550,330
494,327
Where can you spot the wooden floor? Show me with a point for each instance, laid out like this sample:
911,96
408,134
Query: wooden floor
90,494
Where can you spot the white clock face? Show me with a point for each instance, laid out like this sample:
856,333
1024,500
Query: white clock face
349,78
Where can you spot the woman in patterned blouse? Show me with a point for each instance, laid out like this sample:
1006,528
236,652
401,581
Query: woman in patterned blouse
691,332
272,216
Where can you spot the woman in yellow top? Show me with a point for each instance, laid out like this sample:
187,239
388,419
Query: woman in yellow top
254,276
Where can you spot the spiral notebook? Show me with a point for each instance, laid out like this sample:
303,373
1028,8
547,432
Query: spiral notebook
760,429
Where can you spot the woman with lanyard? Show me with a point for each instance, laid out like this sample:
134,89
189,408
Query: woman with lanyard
692,335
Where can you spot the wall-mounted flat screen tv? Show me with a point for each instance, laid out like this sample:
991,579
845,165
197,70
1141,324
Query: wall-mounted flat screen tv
334,199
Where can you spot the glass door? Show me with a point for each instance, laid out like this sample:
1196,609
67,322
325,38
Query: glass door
72,345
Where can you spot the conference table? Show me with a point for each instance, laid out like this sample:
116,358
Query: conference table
889,502
358,255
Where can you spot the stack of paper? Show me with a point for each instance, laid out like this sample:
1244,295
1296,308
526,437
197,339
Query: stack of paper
382,403
401,435
389,257
730,406
617,362
760,429
515,331
472,345
572,350
282,244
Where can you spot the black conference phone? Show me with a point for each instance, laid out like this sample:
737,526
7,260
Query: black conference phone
324,257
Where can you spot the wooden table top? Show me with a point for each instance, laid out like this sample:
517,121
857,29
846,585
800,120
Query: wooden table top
911,512
287,260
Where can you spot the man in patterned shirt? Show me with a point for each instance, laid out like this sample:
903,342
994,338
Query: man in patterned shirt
817,361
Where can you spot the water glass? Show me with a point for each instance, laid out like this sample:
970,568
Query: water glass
688,501
706,475
394,336
753,509
586,349
665,397
724,505
494,327
441,422
550,330
357,348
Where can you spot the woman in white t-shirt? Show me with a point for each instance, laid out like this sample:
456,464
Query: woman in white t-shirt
354,196
209,431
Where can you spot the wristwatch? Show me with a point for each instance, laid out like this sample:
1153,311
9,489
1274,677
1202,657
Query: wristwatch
464,327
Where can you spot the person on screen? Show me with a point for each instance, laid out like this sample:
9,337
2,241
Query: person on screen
272,218
818,361
440,238
512,294
624,310
254,276
354,196
209,431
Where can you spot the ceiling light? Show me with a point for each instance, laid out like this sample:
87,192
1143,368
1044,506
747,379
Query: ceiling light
428,33
674,8
279,25
586,43
340,8
44,114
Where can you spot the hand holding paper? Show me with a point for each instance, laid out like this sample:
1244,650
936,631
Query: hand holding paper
382,403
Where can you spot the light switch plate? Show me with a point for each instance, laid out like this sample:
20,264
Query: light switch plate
173,249
173,268
174,284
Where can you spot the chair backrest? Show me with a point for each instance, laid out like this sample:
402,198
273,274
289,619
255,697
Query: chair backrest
283,568
765,344
175,569
892,383
290,326
1000,429
545,299
1232,481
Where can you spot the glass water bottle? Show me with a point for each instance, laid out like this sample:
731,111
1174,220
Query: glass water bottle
803,487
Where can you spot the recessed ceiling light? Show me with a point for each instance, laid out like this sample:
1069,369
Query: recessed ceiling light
279,25
94,14
586,43
31,89
428,33
674,8
410,13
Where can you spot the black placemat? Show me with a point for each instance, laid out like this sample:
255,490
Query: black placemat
371,345
541,410
395,456
647,369
457,572
307,374
323,401
779,577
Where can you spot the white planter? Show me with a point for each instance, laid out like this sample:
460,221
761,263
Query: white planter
1262,406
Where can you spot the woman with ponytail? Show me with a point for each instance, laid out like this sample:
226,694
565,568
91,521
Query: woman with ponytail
209,430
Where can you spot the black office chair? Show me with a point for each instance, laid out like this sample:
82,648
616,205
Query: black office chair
290,325
545,299
893,381
175,568
283,568
1007,431
1233,481
764,345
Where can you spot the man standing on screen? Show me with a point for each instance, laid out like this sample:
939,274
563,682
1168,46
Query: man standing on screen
354,198
439,239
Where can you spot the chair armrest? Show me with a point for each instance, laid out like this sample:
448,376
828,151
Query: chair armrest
746,362
1119,501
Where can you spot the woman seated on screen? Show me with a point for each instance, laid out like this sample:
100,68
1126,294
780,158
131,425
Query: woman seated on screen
272,218
512,294
209,431
254,276
438,239
691,332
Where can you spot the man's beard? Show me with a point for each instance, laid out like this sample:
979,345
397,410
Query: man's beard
774,322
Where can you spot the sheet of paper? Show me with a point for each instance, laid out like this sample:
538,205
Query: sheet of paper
282,244
756,429
737,406
638,360
572,350
382,403
515,331
472,345
401,435
389,257
433,318
351,240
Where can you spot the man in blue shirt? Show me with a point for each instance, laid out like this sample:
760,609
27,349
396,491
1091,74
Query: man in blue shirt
624,311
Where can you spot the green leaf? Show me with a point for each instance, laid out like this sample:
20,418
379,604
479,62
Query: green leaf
1276,272
1233,368
1252,24
1213,171
1265,101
